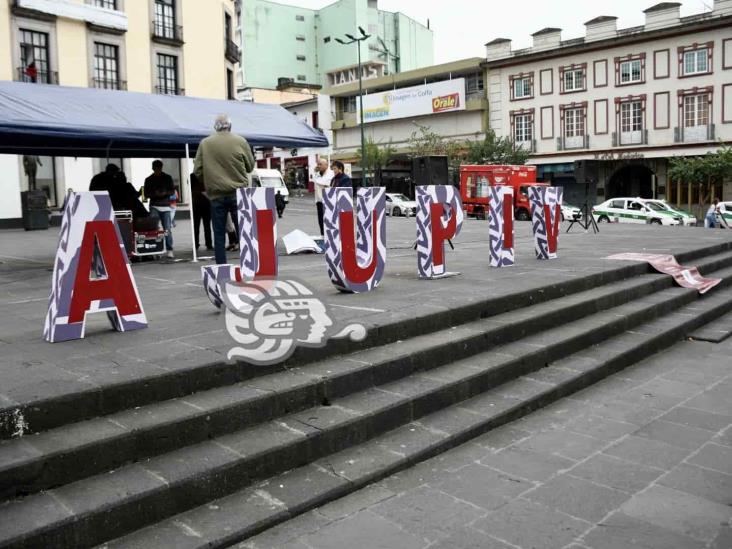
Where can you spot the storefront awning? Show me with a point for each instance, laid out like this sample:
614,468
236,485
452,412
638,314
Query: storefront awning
85,122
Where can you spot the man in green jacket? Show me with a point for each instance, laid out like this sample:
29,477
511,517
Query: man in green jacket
223,163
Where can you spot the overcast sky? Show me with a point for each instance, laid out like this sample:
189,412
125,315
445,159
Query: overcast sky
461,27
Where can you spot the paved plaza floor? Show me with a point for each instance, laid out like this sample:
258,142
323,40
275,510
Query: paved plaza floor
185,329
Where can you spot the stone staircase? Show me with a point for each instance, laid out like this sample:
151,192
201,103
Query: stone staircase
211,456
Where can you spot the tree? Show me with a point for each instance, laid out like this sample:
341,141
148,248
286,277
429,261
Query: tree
496,150
378,157
704,172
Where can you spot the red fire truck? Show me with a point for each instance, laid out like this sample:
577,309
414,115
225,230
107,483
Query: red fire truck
475,180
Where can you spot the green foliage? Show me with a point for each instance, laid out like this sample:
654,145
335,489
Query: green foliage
378,156
496,150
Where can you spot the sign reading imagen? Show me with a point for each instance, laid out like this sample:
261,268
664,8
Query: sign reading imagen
445,96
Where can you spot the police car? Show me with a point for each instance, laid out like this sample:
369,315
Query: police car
634,210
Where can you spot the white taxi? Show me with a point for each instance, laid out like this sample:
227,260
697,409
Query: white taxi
634,210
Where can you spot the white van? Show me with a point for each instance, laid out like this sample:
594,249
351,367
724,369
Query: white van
270,178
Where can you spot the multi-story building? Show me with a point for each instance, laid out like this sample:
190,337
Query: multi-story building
152,46
612,107
292,43
448,99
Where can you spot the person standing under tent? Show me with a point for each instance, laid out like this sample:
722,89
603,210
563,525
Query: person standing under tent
201,212
223,163
159,187
322,179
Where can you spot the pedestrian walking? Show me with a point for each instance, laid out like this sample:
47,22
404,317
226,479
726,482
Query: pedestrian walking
322,179
159,187
223,163
710,220
341,178
201,212
279,204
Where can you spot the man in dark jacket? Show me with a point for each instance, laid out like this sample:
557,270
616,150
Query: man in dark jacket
103,181
159,187
341,178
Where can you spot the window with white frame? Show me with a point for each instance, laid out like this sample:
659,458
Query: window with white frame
574,80
631,116
696,62
631,71
696,110
522,88
523,131
574,123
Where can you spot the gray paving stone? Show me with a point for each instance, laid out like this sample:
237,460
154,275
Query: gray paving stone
725,437
600,427
715,400
526,464
577,497
697,418
527,524
619,531
675,434
502,437
714,456
705,483
428,513
364,529
290,532
616,473
648,452
355,502
482,486
638,414
723,539
678,511
469,538
563,443
297,488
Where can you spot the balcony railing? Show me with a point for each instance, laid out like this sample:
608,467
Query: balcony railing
694,134
107,84
163,90
169,34
626,139
571,143
232,51
24,74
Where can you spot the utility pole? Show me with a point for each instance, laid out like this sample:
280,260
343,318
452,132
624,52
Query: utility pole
353,40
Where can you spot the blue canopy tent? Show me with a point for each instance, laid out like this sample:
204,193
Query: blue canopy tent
85,122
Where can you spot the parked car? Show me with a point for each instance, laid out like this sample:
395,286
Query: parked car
398,204
687,218
270,178
571,213
634,210
725,214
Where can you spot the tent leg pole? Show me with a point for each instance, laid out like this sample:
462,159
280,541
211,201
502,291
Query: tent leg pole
190,199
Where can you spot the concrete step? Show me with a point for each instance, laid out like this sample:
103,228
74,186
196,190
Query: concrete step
53,412
238,516
82,449
111,504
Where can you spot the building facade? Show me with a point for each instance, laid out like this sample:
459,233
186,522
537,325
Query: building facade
449,100
603,114
151,46
291,43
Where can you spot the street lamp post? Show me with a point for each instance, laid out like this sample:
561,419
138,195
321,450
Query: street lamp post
353,40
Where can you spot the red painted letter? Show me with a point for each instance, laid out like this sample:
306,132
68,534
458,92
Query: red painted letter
552,227
116,285
351,268
508,222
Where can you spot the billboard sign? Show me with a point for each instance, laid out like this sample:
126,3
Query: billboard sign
445,96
